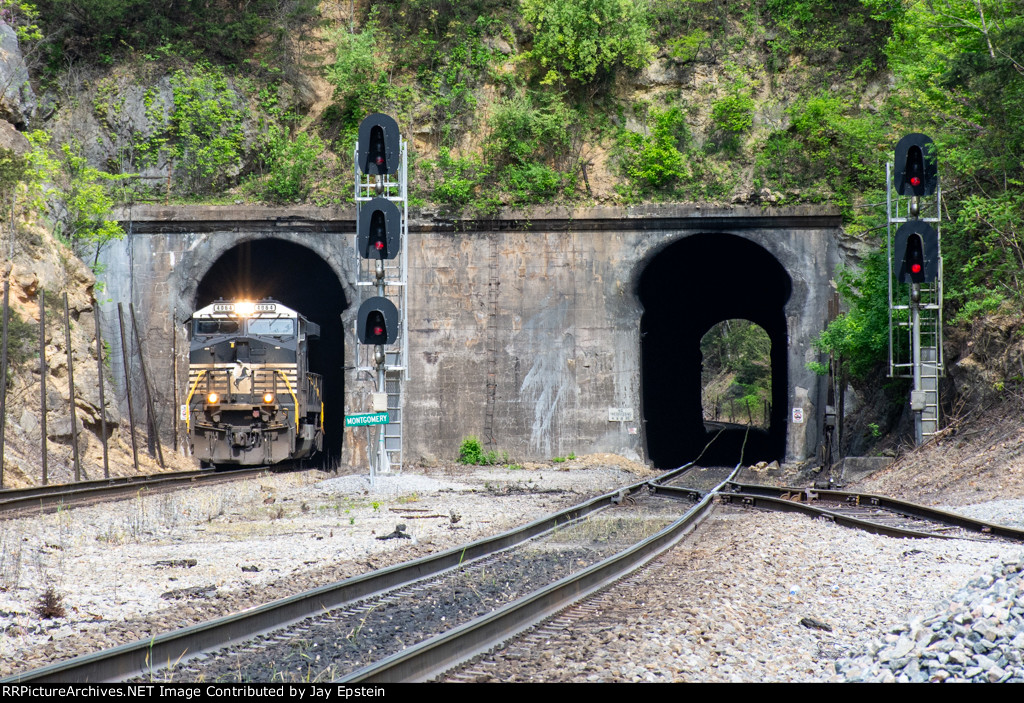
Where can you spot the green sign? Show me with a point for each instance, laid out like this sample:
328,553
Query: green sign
366,419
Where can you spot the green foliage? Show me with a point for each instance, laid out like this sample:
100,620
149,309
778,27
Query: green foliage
860,337
684,49
13,169
580,39
358,74
834,34
522,130
472,452
23,17
525,140
76,197
655,161
455,181
831,150
22,342
738,351
206,127
228,30
734,112
293,165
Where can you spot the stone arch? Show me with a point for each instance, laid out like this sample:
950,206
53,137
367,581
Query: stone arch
287,269
686,288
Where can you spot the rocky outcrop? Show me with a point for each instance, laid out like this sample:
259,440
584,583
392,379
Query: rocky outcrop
985,360
17,102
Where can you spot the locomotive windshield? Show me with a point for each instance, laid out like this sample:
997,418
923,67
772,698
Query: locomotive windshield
271,327
209,327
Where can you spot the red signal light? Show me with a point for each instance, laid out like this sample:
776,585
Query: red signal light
378,331
378,245
915,268
915,181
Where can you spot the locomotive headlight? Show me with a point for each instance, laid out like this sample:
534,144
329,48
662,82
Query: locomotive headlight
245,309
212,399
268,398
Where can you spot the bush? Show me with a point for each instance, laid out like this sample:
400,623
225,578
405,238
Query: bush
734,112
578,39
293,165
656,161
206,126
472,452
456,180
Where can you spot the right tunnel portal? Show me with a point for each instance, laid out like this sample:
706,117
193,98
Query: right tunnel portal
686,289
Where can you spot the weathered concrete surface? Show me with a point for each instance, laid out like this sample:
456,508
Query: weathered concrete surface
525,327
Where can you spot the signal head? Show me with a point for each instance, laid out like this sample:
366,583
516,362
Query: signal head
916,166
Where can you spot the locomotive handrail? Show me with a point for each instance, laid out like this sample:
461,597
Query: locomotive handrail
294,400
188,401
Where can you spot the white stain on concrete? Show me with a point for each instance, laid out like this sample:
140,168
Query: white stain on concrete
550,383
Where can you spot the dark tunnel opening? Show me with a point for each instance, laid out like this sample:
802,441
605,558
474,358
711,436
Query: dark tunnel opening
299,278
685,290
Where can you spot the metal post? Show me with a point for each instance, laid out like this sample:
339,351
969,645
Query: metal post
3,379
99,374
71,389
916,402
42,376
174,379
128,384
151,425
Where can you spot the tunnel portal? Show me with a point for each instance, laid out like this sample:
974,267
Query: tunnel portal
298,277
685,289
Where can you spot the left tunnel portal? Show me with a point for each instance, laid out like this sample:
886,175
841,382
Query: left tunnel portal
301,279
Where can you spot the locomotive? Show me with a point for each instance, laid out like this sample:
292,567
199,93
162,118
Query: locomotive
252,399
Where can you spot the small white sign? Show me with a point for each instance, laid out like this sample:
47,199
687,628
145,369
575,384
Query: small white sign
620,414
798,416
183,413
631,430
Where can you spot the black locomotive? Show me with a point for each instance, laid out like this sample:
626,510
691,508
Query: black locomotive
251,398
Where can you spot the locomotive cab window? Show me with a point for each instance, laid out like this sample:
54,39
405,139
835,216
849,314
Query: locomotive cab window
210,327
272,327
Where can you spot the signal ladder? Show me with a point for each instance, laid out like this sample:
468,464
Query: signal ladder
929,367
396,370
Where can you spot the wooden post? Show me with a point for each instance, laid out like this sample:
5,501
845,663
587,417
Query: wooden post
42,375
99,373
3,380
128,384
71,389
154,431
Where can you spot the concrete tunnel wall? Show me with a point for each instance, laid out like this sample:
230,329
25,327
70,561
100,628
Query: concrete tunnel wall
527,326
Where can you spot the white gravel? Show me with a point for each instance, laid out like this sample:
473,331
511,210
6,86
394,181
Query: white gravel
726,606
252,541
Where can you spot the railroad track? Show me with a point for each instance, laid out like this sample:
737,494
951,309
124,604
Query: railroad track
865,511
352,604
134,659
15,502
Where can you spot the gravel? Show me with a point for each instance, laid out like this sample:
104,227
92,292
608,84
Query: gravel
742,600
756,597
127,571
